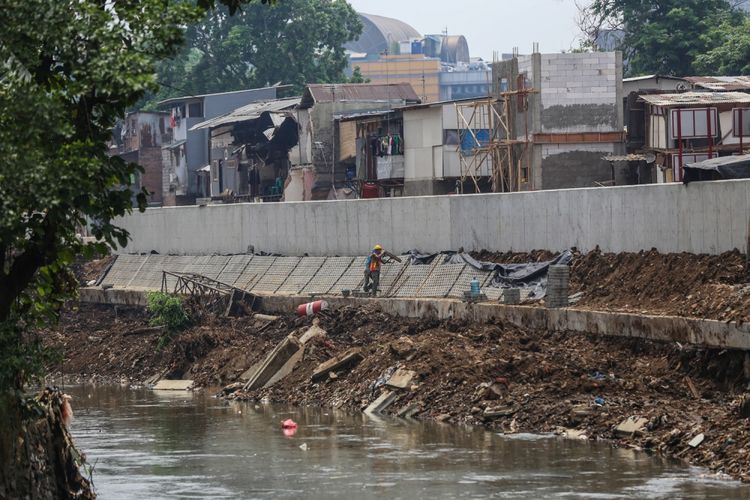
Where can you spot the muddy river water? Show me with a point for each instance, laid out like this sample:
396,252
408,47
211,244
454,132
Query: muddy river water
146,445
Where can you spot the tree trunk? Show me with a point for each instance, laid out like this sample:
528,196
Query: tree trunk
37,456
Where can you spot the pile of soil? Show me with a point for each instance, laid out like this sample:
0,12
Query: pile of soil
91,269
496,375
690,285
117,344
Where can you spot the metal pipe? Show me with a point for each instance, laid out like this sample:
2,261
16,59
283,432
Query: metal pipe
710,134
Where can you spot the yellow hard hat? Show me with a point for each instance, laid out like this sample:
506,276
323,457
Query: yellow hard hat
378,247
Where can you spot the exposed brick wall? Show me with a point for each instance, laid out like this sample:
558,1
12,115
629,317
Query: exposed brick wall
151,161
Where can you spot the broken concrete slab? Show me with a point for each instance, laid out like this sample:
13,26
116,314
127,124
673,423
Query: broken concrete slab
287,368
632,426
386,399
274,362
346,360
499,411
401,379
409,411
173,385
248,374
313,331
697,440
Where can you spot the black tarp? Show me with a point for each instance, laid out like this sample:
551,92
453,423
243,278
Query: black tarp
724,167
528,275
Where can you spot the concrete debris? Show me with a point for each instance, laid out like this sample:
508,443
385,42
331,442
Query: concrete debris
696,441
314,331
346,360
402,347
499,411
173,385
265,317
572,433
632,426
287,368
386,399
401,379
274,362
409,411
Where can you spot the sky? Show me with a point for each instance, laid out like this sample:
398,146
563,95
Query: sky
488,25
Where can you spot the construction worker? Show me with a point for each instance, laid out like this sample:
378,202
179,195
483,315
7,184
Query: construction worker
372,270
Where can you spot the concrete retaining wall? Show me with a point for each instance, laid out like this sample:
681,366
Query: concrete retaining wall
710,333
702,217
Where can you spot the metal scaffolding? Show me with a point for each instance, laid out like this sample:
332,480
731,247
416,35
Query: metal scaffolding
213,295
487,140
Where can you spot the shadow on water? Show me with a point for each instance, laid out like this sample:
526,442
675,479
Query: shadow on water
147,444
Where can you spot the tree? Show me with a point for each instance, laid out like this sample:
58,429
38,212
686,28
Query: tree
357,76
295,41
68,70
730,54
664,37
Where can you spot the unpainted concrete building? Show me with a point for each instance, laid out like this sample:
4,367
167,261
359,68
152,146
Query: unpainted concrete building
572,117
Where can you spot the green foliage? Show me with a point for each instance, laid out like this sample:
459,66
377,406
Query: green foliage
730,54
293,41
357,76
68,70
167,311
666,37
23,356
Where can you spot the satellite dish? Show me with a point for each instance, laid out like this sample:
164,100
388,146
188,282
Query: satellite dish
650,157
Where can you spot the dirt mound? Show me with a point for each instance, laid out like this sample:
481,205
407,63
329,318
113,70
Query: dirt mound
702,286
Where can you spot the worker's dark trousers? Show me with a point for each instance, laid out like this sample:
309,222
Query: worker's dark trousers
373,276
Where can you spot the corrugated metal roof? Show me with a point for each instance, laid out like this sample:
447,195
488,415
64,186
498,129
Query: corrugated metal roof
200,96
249,112
720,83
649,77
352,115
688,98
315,93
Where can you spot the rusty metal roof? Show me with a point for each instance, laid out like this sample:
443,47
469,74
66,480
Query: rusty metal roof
720,83
319,92
249,112
696,98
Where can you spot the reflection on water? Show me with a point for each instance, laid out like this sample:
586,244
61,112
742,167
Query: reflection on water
149,445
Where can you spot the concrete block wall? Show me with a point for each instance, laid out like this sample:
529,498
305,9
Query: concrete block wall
579,92
701,217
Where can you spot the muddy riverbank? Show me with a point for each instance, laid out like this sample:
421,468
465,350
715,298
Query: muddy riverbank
494,375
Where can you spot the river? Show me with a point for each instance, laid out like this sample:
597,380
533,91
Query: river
147,445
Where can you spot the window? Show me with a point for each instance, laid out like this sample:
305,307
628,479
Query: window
195,110
741,128
693,122
450,137
215,170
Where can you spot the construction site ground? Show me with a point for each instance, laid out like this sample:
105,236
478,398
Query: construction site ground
497,375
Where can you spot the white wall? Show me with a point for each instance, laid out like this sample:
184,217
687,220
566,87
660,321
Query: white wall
702,217
423,131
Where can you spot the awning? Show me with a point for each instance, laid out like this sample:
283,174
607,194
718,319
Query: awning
207,168
723,167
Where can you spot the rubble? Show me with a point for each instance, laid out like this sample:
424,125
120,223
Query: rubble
274,363
464,370
401,379
173,385
632,426
349,358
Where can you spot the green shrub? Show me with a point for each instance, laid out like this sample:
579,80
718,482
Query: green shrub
167,311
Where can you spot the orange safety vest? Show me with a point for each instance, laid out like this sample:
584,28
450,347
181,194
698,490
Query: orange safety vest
373,262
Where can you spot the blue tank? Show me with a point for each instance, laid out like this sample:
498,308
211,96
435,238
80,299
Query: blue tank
475,290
